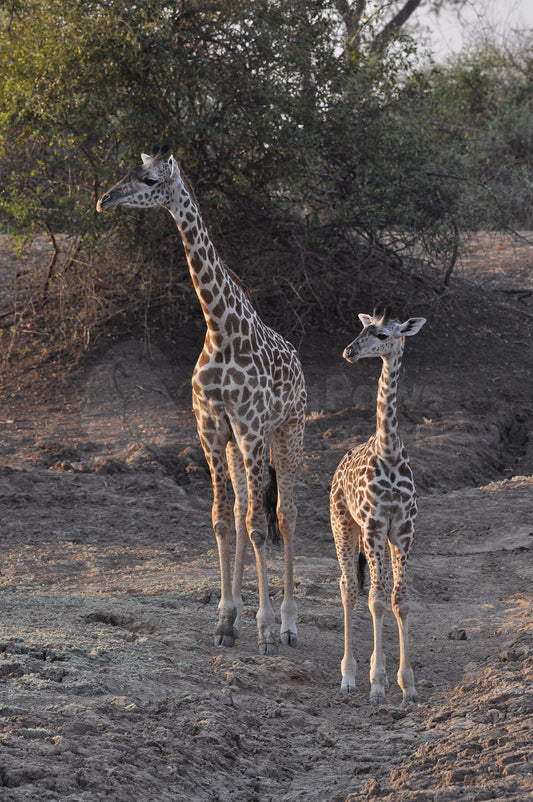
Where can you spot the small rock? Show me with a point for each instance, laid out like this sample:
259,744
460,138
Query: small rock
10,669
457,634
509,656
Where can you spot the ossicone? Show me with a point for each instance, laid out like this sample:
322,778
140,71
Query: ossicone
161,150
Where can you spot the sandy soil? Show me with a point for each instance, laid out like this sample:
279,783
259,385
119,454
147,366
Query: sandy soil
110,687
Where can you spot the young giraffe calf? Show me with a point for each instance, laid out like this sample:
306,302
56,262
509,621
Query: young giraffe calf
373,504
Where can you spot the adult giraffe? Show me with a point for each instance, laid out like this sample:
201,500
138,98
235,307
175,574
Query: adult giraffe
248,395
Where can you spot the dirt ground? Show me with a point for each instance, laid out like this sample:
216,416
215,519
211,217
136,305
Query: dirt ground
110,686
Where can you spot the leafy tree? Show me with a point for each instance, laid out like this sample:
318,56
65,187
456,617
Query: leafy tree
233,87
483,102
311,145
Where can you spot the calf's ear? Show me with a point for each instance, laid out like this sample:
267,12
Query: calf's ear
412,326
366,320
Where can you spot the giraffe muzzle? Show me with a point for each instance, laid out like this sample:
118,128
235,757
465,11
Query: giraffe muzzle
351,352
104,203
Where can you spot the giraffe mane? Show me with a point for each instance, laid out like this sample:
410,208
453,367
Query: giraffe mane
190,189
188,186
238,281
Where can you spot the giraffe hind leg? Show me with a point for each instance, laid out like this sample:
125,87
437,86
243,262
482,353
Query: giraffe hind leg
238,481
265,613
256,526
400,607
286,445
287,522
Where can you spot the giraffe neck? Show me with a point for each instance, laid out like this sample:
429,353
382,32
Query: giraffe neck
220,296
388,441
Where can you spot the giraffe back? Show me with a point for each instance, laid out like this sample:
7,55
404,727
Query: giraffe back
372,489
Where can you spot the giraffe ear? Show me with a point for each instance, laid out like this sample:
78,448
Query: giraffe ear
366,320
174,166
145,158
412,326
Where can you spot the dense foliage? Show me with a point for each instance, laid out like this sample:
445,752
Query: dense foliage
483,103
316,155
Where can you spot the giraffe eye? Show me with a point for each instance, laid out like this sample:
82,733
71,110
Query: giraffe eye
150,182
382,335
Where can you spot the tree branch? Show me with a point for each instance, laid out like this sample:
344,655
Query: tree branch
399,19
53,260
351,14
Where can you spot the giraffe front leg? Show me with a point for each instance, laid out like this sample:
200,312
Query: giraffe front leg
225,633
377,604
221,517
378,670
346,535
348,662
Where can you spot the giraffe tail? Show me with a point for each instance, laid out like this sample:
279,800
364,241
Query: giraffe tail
361,565
270,500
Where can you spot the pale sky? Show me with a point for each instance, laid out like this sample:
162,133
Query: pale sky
480,20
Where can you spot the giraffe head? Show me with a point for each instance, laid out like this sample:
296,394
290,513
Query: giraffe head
146,185
381,336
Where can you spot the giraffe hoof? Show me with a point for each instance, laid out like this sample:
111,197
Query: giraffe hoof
377,700
410,698
347,689
267,649
225,636
289,638
224,640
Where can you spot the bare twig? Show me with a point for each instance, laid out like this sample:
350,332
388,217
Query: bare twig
52,263
455,253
